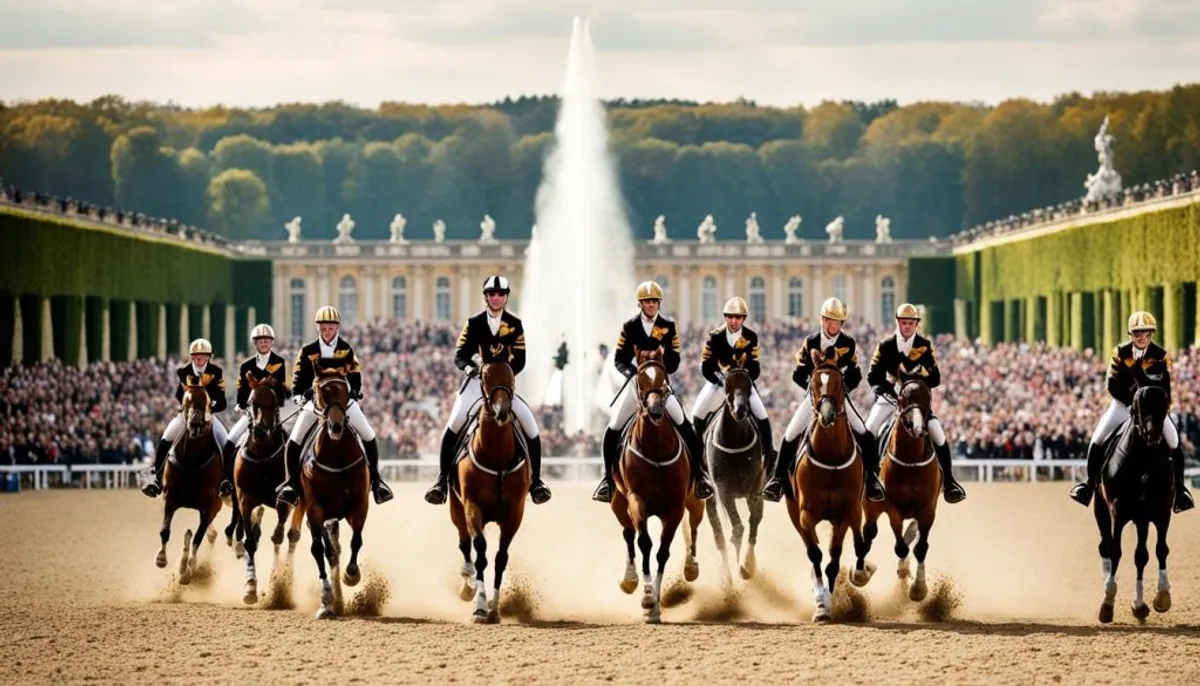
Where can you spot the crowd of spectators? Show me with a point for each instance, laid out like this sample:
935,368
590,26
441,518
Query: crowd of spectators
1011,400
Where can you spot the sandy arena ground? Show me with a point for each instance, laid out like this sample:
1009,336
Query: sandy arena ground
1014,569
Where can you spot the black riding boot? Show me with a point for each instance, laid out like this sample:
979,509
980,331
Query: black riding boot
379,488
870,455
538,491
773,491
701,424
952,491
608,450
289,492
227,454
768,443
1082,492
153,488
436,495
691,439
1183,497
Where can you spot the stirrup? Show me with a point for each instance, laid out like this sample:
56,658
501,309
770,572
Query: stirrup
953,493
436,495
152,489
704,488
381,492
1082,493
1183,501
603,492
287,495
773,490
539,492
879,495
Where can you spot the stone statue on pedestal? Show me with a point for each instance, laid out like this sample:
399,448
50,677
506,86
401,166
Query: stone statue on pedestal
707,230
883,229
835,228
790,228
293,230
753,234
487,230
397,228
439,231
660,231
344,228
1106,182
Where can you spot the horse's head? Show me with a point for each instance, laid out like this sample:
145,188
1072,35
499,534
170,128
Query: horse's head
913,407
1149,412
827,390
652,383
264,408
332,397
197,409
737,392
499,385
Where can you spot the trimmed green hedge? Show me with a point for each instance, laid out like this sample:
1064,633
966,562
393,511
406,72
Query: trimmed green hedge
931,282
1150,248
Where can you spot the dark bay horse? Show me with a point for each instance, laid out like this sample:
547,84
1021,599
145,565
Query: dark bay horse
1137,485
912,480
735,454
191,478
654,480
828,483
335,484
493,480
257,472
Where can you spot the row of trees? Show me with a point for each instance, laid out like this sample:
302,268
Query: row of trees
933,167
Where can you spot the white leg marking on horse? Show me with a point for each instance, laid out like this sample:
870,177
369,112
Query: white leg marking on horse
1164,584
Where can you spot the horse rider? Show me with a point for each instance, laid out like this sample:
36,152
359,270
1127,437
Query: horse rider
328,350
200,371
266,364
729,346
648,330
910,353
1155,364
829,342
495,334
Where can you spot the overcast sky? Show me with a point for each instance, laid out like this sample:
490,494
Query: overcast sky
261,52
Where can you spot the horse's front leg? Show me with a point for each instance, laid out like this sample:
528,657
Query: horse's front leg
754,502
736,529
316,530
508,530
251,535
357,520
835,555
479,542
718,530
821,595
1110,554
1141,556
669,526
164,533
1162,599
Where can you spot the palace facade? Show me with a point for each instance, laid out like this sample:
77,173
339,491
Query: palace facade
439,281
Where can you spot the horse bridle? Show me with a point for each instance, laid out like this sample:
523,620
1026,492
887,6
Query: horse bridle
190,411
487,405
666,391
1137,425
839,409
256,411
325,406
731,372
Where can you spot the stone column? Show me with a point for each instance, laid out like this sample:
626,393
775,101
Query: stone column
1111,318
418,305
133,329
206,321
184,332
230,331
1172,317
81,356
105,330
960,319
47,351
730,286
1054,320
1076,305
18,341
817,279
686,315
321,286
463,308
160,336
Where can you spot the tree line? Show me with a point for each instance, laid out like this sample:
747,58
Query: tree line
932,167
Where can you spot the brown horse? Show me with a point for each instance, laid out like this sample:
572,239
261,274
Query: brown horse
257,472
828,483
335,484
191,478
912,480
493,481
653,479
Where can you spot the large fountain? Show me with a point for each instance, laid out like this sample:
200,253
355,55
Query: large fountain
578,282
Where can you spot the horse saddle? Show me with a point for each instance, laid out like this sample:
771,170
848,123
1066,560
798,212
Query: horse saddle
178,450
1110,449
464,437
627,433
308,445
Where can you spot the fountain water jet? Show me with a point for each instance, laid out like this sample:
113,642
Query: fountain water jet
578,279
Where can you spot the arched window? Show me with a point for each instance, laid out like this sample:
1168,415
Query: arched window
708,299
298,309
758,299
887,298
399,298
442,299
348,300
795,297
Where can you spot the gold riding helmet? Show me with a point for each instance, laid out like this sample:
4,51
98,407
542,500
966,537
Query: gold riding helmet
834,308
736,306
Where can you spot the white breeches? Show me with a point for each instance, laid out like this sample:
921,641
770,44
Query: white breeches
883,410
1115,416
178,425
627,406
240,428
712,396
354,417
472,393
803,418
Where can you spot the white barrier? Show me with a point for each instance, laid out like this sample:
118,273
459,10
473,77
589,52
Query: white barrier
87,476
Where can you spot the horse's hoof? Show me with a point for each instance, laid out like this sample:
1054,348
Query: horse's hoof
627,586
160,560
1106,613
821,616
1162,601
691,571
185,577
350,577
250,597
1141,612
493,616
654,618
860,577
902,569
918,591
749,566
326,612
467,592
480,617
648,601
239,550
